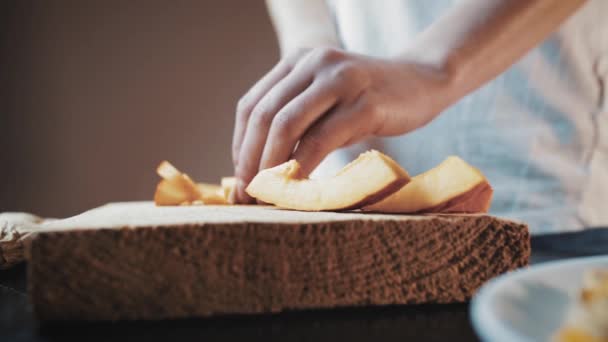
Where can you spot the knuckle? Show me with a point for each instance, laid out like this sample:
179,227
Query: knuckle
261,117
242,106
349,72
286,63
294,56
326,55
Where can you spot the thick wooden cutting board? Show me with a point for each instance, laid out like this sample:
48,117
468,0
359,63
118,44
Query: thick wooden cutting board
139,261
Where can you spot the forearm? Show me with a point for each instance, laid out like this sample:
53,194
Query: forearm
479,39
302,24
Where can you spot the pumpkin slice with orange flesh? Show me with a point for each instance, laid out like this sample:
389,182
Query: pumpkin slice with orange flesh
367,179
211,193
228,186
450,187
177,188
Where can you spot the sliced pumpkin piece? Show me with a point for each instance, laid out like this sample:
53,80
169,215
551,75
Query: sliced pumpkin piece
450,187
211,193
168,193
367,179
576,335
175,187
228,186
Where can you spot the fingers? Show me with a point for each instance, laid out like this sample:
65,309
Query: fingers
259,123
335,81
250,100
341,127
292,121
287,110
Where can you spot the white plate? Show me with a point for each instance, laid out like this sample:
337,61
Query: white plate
530,304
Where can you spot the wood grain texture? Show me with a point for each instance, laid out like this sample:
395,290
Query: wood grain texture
137,261
14,228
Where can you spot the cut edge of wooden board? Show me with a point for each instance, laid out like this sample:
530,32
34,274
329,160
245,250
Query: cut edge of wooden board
251,270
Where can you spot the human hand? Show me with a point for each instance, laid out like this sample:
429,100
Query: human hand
318,100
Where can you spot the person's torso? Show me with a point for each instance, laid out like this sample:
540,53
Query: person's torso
539,131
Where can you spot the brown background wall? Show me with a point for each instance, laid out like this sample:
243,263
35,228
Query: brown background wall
94,94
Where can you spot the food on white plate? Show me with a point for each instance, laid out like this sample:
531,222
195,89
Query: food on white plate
587,320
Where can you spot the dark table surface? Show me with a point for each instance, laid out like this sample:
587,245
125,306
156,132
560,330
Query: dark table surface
395,323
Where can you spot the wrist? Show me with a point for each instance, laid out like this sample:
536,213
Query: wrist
440,81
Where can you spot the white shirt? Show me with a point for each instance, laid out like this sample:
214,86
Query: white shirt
539,131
